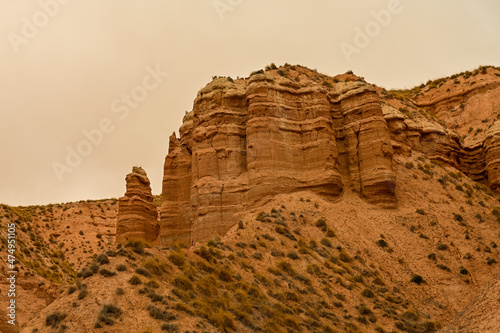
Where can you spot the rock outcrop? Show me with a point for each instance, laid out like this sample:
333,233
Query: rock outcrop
176,193
491,148
137,215
248,140
365,141
454,120
292,129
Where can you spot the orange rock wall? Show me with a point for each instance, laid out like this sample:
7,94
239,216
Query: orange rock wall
247,141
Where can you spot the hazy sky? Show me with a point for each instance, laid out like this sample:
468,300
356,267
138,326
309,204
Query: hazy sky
73,69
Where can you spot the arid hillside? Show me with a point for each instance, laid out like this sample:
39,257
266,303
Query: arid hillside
397,232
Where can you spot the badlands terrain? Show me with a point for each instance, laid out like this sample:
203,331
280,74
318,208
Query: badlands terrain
292,202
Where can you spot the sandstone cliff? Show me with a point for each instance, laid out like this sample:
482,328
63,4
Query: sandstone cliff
275,132
137,215
453,119
292,129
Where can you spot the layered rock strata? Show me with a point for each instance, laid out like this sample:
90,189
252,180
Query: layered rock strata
365,141
480,161
248,140
137,215
293,129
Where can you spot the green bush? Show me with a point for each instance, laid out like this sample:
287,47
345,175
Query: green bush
121,268
382,243
367,293
417,279
106,273
158,314
321,223
83,293
326,242
137,246
107,314
182,283
172,328
102,259
261,216
134,280
330,233
55,319
94,268
142,271
177,259
442,246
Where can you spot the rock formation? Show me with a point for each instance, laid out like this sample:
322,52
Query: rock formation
292,129
137,215
249,140
454,120
366,141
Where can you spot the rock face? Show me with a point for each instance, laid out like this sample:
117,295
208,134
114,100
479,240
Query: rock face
455,122
365,141
292,129
249,140
137,215
175,209
491,148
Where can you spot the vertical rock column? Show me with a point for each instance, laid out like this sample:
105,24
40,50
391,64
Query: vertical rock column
290,141
218,143
175,209
367,142
137,215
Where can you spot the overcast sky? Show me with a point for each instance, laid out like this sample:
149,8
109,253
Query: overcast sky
89,88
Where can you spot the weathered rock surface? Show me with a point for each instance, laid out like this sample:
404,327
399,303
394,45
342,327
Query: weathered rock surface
249,140
175,209
137,215
454,121
292,129
491,148
365,140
